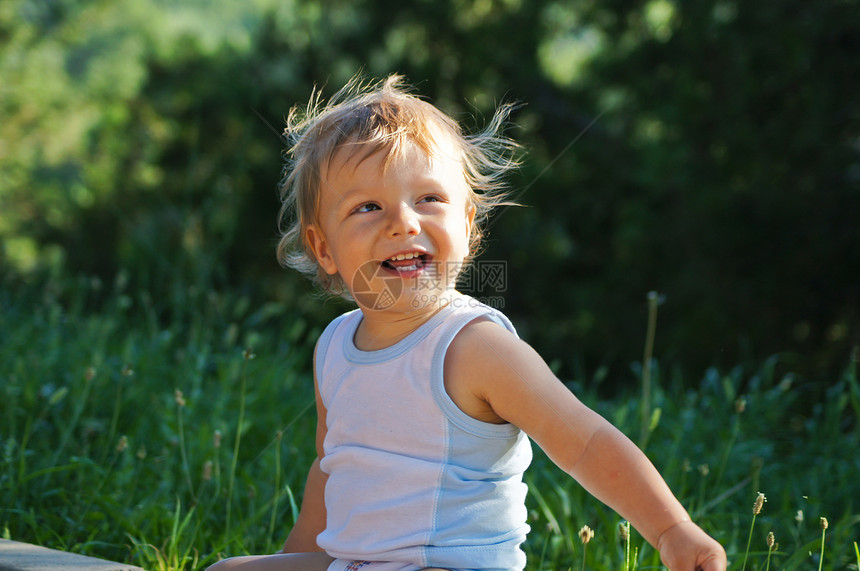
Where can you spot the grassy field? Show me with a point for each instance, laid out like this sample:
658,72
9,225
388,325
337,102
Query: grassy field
168,432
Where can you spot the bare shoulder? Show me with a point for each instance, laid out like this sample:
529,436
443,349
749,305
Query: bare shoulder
488,366
481,361
483,347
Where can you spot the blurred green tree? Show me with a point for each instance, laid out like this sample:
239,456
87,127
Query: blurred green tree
724,174
704,149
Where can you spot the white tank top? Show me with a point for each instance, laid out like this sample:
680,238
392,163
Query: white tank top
413,478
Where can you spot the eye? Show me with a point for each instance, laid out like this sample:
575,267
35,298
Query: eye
431,198
367,207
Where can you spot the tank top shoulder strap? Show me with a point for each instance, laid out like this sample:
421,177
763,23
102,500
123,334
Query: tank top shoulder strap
325,339
467,311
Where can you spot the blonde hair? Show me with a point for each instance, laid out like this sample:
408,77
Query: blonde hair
380,116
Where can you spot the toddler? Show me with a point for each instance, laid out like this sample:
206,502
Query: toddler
426,398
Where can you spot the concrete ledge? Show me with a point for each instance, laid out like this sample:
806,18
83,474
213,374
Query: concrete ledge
17,556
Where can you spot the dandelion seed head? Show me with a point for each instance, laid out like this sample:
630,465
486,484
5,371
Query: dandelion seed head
799,517
824,523
771,540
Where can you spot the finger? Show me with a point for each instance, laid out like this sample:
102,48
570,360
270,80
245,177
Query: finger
714,562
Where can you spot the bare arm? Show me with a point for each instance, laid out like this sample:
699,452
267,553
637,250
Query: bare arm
491,364
312,516
311,521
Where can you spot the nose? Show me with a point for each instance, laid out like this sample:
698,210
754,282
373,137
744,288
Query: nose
404,221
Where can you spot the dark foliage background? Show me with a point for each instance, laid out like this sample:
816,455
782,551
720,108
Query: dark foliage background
708,150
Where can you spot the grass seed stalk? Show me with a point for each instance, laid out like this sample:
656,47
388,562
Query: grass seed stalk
586,534
757,507
824,525
771,547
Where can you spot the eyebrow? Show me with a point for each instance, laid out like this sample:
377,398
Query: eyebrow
345,202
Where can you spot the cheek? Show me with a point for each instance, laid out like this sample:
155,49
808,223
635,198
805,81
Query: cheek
463,240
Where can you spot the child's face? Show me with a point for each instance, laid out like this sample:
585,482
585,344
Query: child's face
398,234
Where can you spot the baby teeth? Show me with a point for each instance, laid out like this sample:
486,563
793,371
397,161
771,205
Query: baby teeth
399,257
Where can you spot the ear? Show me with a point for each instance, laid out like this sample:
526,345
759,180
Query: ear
471,210
319,246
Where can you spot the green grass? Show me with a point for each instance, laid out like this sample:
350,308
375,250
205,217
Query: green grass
165,432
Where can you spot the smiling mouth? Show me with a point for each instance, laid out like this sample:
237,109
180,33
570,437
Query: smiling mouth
404,263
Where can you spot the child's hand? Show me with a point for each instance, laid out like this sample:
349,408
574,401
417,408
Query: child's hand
685,547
